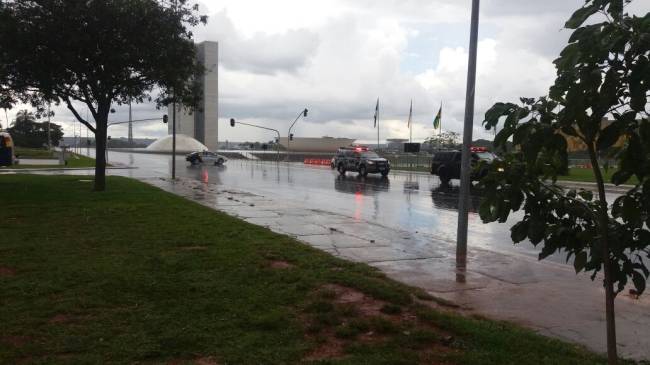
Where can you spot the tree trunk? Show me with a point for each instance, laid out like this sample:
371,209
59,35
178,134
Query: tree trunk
603,215
100,151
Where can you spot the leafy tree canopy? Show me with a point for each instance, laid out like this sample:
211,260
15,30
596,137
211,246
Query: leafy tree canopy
26,132
99,53
446,139
604,72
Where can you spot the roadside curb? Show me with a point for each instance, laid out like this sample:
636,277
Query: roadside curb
64,169
611,188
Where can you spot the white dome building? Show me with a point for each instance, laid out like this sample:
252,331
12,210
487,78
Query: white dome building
184,144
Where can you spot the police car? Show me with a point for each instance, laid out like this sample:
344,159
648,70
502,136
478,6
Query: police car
206,157
446,164
361,160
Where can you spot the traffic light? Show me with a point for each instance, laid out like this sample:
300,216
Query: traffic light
232,122
304,113
165,118
291,137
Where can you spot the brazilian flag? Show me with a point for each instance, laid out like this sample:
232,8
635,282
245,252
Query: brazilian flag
436,122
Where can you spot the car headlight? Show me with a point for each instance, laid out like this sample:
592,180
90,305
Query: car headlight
371,162
501,169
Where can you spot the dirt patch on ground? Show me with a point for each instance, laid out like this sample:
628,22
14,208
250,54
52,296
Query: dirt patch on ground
341,316
332,348
365,305
208,360
193,248
279,264
15,341
7,272
60,319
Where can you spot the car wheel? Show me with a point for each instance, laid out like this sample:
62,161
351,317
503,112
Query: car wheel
362,171
384,173
219,162
341,169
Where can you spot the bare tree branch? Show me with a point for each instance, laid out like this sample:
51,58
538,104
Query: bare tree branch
79,118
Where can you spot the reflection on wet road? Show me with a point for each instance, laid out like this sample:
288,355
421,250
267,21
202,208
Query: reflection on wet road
411,202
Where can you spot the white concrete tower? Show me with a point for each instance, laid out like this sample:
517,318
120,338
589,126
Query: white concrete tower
202,124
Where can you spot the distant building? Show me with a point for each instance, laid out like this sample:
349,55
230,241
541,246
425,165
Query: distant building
575,144
202,124
395,144
324,144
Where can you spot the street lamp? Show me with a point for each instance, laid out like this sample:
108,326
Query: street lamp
290,135
277,145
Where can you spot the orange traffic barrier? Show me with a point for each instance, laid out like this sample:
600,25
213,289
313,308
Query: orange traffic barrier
317,161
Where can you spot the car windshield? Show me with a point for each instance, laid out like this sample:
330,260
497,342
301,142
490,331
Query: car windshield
370,155
486,156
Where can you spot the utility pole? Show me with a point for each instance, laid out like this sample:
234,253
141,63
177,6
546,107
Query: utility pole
174,141
463,200
49,135
130,126
174,124
216,70
303,114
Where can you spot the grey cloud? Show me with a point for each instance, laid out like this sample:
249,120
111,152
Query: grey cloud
260,53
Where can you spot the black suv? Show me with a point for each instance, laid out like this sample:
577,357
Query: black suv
446,164
361,160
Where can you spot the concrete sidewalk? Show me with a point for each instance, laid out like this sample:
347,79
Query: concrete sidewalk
544,296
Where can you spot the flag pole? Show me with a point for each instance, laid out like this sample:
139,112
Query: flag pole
377,122
411,123
376,125
440,124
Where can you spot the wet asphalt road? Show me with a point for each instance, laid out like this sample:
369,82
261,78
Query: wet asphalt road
412,202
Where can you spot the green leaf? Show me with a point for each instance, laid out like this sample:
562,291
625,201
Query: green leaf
639,282
586,195
485,211
536,231
609,136
621,177
580,15
580,261
519,231
615,9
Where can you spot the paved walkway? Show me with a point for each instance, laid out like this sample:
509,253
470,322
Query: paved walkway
547,297
39,161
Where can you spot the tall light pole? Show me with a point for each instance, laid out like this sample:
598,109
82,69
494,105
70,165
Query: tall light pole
49,134
463,199
289,135
174,141
130,137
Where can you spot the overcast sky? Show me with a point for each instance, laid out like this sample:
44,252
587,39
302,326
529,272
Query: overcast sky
336,57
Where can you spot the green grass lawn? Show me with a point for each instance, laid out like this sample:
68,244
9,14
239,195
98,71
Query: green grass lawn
24,152
587,175
76,160
73,160
137,275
